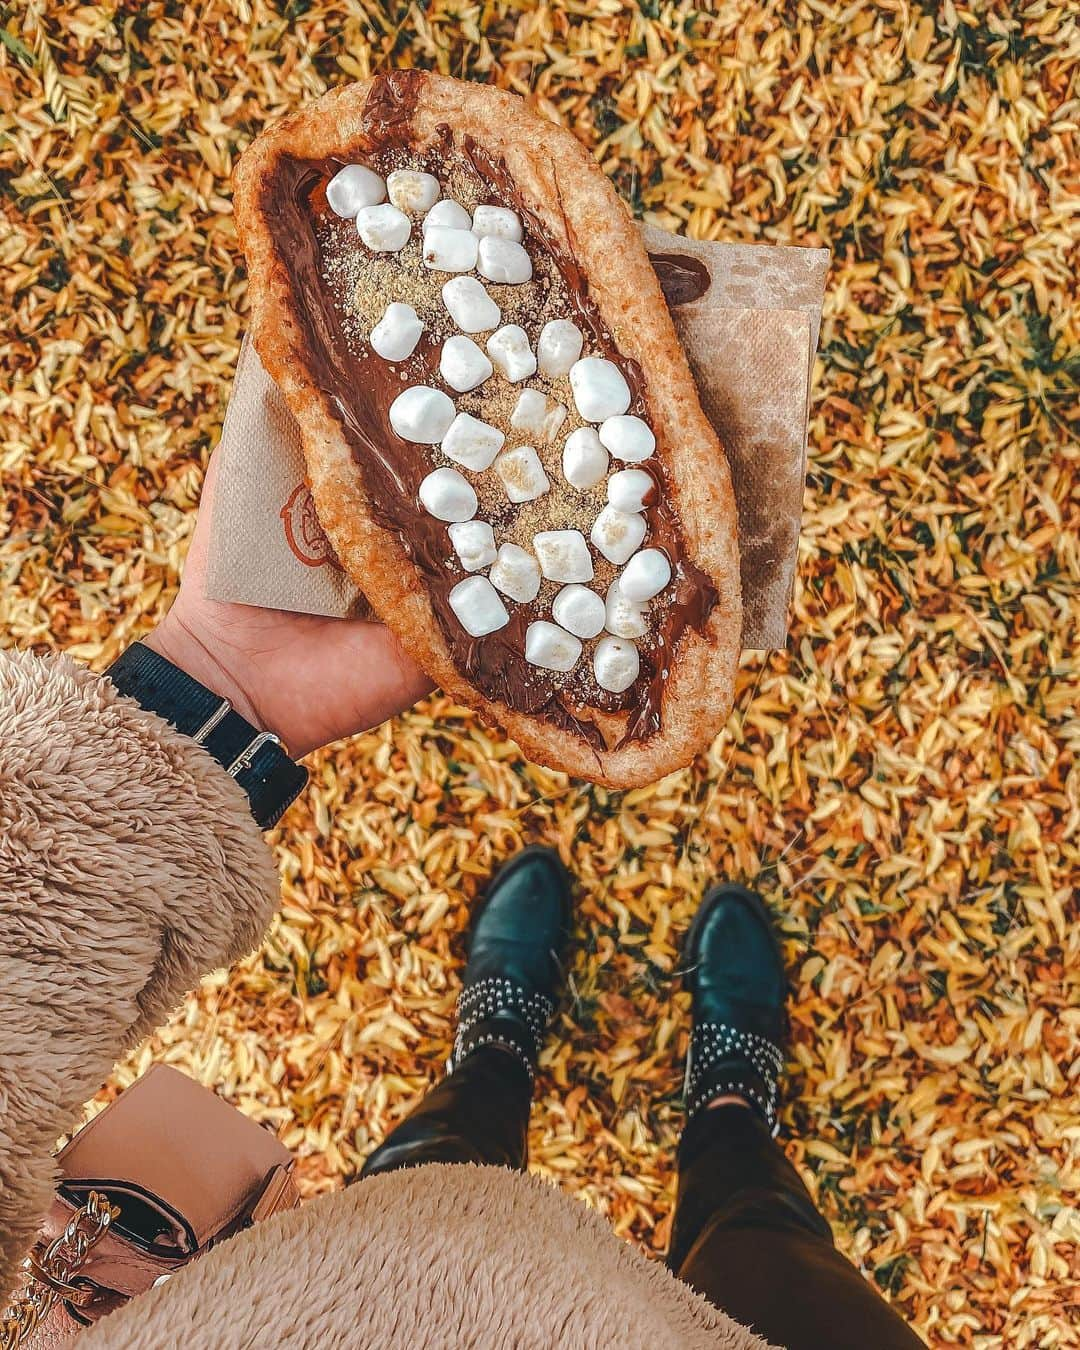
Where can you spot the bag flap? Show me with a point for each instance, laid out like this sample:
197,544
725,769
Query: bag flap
173,1139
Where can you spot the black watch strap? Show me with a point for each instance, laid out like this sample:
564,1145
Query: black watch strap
256,759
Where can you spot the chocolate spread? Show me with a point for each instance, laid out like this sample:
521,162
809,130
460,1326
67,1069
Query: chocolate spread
360,388
683,278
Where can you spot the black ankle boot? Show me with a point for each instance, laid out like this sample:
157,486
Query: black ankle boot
519,935
735,973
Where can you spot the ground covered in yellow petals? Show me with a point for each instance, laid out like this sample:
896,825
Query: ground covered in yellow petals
902,783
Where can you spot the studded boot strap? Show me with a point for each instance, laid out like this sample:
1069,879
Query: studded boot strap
724,1061
497,1011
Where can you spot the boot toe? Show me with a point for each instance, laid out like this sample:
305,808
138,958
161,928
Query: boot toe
733,960
523,920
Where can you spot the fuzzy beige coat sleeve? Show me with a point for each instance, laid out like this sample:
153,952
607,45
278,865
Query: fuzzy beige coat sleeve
129,866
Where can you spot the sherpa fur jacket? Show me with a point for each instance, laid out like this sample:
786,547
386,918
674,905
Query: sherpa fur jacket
129,865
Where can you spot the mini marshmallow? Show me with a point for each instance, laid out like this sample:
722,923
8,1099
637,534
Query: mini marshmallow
421,414
624,618
474,543
564,555
551,647
383,228
645,575
618,534
510,351
599,388
469,305
628,438
449,250
396,334
479,610
615,664
503,260
522,474
499,222
447,495
579,610
412,191
537,415
447,214
462,364
627,489
471,442
353,188
559,347
516,573
584,459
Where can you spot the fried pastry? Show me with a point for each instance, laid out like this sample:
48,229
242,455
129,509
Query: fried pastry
503,437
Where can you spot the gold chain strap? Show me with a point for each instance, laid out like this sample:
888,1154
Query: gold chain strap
51,1273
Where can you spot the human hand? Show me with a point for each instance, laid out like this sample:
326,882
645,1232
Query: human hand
308,679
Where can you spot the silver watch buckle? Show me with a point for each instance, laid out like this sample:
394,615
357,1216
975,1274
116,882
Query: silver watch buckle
244,758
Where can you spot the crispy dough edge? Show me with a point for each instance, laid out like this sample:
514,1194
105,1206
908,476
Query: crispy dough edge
548,166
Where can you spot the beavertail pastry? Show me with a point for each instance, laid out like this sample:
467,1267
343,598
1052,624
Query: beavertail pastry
503,437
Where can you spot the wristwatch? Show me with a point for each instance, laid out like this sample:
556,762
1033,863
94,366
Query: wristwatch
256,759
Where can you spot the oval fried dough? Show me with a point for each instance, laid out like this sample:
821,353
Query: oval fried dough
559,182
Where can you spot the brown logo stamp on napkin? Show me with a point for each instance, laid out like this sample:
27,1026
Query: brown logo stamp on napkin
748,317
303,533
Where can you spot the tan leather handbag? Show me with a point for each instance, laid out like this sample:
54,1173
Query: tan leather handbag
159,1177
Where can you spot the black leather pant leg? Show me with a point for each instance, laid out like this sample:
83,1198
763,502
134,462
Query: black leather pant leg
747,1236
478,1114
